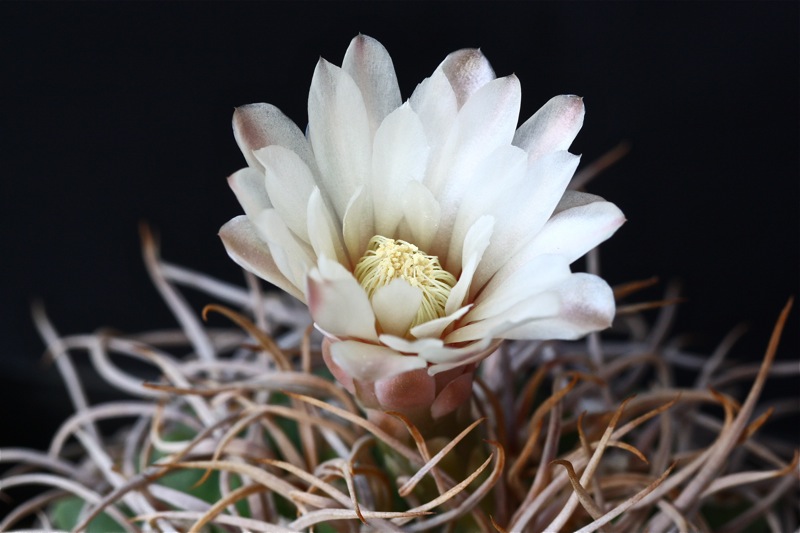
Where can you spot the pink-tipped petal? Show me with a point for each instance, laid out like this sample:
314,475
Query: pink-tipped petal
551,128
258,125
370,66
587,305
246,248
369,362
338,304
467,71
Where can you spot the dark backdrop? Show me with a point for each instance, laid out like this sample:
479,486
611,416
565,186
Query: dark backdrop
113,113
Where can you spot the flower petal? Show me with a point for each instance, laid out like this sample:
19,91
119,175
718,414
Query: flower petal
434,328
422,214
396,305
574,231
370,66
248,186
435,103
539,306
258,125
576,243
486,122
250,252
410,346
339,131
368,362
447,357
289,183
475,244
453,396
526,210
407,392
467,70
583,303
551,128
537,275
338,304
292,256
587,305
400,155
358,224
322,231
496,179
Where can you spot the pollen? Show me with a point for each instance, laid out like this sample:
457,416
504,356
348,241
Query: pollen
388,259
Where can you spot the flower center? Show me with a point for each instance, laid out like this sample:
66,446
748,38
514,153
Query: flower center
387,259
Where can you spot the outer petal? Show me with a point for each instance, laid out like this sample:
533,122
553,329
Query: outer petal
576,230
587,305
258,125
339,132
244,246
396,305
454,395
409,392
248,186
541,305
368,362
289,183
370,66
400,155
551,128
338,304
467,70
292,256
547,244
538,275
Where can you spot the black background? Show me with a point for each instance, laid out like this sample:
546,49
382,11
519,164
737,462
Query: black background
113,113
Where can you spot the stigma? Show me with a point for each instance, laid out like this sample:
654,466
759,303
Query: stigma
388,259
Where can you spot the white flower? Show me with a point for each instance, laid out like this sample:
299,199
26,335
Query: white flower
420,233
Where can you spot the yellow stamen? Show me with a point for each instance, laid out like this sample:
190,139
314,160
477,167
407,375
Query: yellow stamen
387,259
